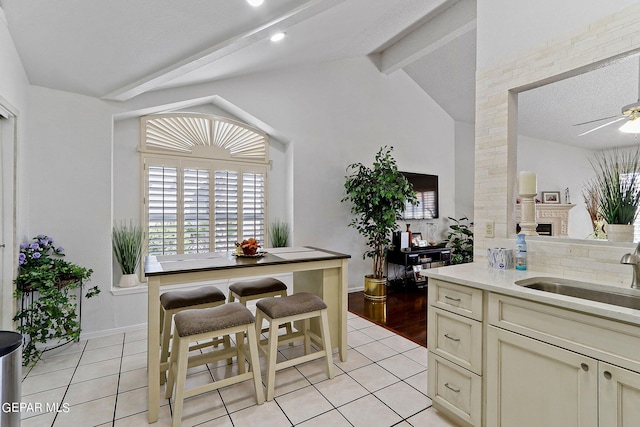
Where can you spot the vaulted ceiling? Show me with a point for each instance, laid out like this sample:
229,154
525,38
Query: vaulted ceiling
118,49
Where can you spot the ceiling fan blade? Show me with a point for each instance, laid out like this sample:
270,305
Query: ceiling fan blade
596,120
601,126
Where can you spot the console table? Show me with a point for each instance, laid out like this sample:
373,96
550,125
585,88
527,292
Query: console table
424,257
317,271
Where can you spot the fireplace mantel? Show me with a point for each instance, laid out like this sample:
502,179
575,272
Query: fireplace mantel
555,214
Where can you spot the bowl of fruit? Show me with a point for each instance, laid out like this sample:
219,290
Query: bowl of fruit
249,247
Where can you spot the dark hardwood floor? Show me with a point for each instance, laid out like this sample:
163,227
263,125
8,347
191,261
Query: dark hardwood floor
405,311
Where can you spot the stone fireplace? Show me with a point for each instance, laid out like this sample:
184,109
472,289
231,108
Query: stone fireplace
552,219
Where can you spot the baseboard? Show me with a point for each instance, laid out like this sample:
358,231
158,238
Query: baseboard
107,332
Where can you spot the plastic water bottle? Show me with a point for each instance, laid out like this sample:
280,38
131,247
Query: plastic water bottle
521,253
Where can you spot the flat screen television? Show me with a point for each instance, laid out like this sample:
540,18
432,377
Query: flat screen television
426,187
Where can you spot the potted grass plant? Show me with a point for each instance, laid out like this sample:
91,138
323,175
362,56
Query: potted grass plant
279,234
616,186
378,197
127,242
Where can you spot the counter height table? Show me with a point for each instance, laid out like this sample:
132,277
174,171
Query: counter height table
318,271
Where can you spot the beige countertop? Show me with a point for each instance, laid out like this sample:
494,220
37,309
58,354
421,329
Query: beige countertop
481,276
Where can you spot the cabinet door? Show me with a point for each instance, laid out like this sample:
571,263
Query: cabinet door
533,384
619,396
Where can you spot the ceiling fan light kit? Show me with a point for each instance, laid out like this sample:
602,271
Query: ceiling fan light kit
631,126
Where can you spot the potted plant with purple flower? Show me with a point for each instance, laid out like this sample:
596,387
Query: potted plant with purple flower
46,284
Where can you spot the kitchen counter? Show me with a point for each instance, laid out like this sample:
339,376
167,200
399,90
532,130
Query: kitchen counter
481,276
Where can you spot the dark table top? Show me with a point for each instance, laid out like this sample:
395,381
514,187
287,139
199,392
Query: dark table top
185,263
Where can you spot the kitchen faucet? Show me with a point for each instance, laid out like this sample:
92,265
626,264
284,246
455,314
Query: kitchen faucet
633,259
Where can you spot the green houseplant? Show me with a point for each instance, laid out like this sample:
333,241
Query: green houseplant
46,284
127,242
378,197
616,186
279,234
460,240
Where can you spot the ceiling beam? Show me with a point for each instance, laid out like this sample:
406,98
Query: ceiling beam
301,13
448,24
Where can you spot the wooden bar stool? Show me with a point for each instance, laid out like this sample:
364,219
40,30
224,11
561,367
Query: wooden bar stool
176,301
248,290
300,306
204,324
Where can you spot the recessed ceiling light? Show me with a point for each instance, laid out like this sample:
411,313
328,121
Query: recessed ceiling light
277,37
255,3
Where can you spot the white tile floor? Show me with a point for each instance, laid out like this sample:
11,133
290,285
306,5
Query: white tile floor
102,382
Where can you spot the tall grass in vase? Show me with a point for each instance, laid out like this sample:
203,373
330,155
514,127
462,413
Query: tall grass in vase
279,234
127,242
617,185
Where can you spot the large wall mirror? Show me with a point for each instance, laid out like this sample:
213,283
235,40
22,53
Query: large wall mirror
562,124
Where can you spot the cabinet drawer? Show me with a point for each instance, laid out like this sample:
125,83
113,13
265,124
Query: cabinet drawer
456,338
455,298
454,389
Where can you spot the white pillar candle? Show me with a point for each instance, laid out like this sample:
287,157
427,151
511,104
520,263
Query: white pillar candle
528,183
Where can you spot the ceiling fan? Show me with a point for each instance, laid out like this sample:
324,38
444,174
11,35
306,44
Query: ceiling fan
630,113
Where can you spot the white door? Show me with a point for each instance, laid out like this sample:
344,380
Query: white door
533,384
7,217
619,396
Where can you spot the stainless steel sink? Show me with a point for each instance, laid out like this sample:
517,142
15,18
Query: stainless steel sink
622,297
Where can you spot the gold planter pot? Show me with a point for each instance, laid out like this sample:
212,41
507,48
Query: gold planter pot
375,289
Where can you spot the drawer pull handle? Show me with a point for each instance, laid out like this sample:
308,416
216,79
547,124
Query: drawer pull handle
452,298
453,389
584,367
607,375
452,338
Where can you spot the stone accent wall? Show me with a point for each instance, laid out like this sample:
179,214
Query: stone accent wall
495,149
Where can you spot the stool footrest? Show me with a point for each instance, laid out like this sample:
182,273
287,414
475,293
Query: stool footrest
301,359
218,384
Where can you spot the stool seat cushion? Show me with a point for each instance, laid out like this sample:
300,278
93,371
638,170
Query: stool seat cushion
298,303
201,320
179,299
255,287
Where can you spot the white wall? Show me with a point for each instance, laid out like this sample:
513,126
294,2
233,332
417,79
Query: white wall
464,168
559,166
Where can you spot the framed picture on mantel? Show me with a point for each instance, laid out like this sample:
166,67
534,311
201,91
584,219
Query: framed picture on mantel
550,197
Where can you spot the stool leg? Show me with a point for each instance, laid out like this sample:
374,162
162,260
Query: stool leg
287,325
182,362
165,337
226,343
171,370
272,358
255,364
240,352
307,339
326,339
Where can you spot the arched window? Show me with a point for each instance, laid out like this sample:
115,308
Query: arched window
205,182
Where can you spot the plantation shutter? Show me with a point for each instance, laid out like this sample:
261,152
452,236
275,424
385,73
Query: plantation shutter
424,209
253,205
162,210
196,223
205,183
226,210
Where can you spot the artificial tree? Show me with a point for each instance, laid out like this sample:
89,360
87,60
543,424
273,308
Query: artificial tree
378,197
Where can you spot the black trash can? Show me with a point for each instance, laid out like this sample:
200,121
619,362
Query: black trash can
10,377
